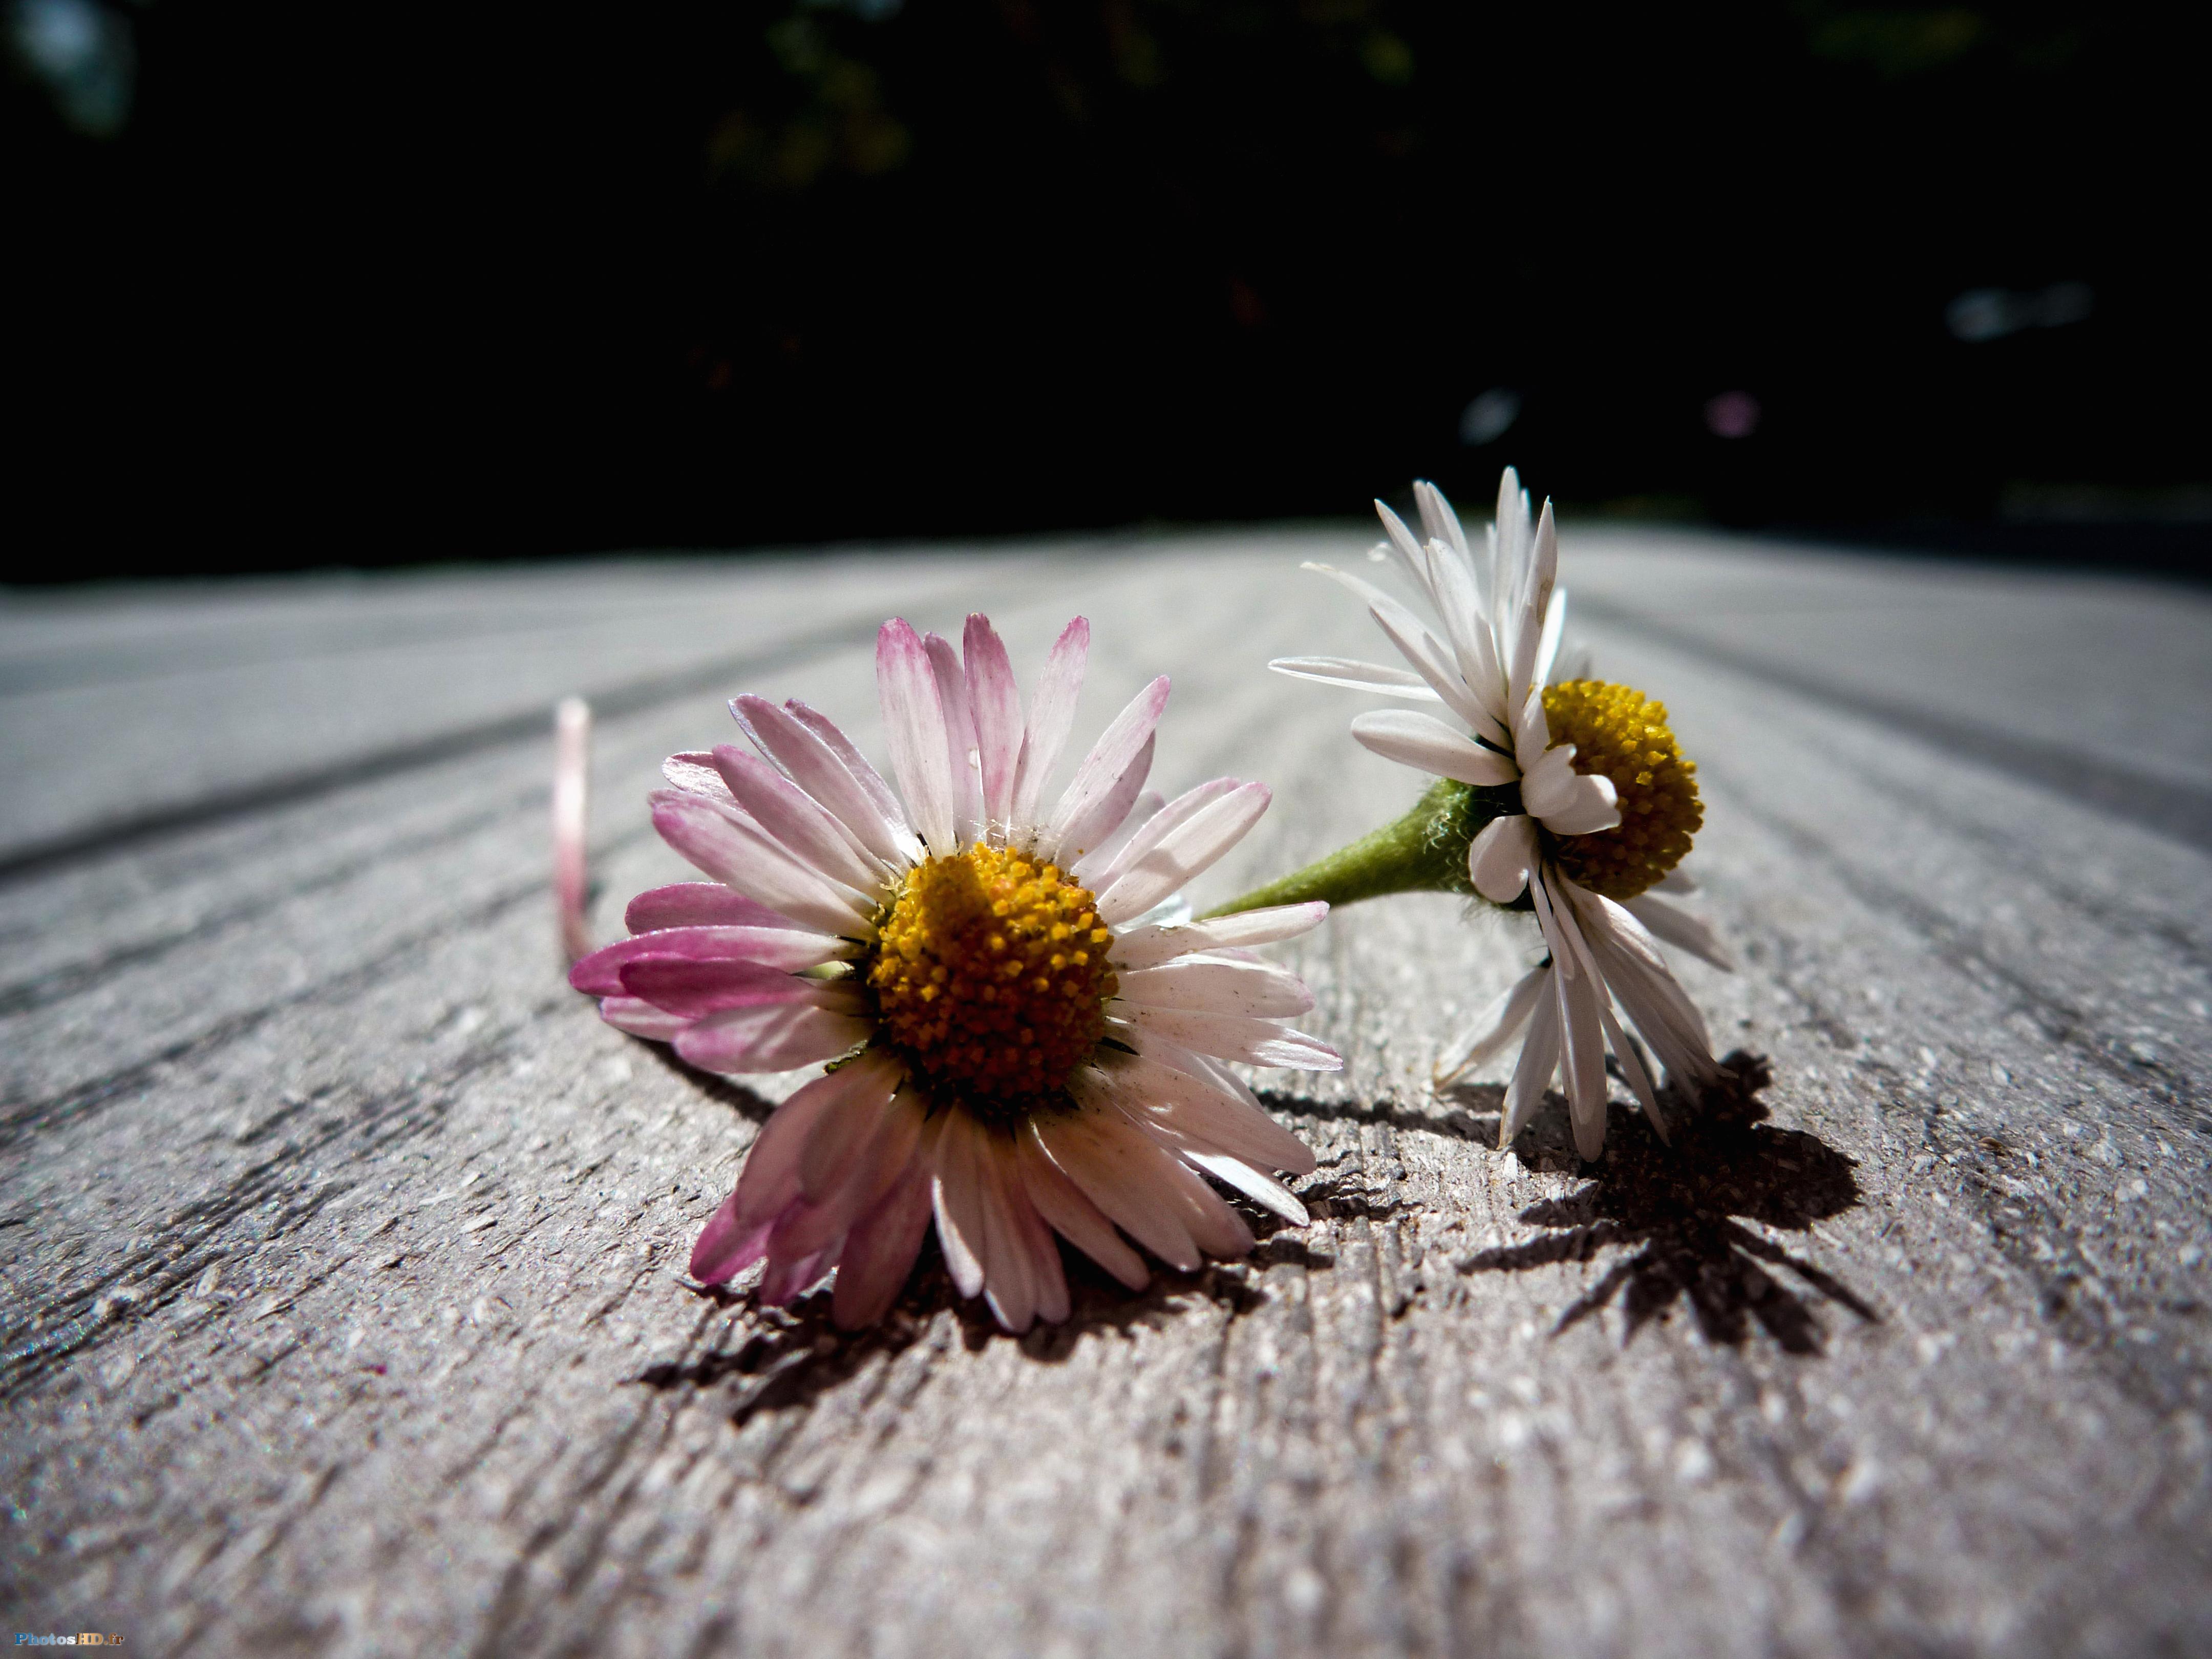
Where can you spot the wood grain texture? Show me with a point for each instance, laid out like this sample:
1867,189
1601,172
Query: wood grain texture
344,1306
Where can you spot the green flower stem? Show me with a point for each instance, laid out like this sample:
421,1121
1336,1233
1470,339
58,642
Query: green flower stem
1423,852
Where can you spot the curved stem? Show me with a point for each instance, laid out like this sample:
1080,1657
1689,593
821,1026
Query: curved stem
1423,852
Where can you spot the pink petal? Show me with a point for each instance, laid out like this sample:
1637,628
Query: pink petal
1261,1188
998,710
692,986
856,764
848,1135
964,759
1108,763
768,1186
817,768
1126,1177
914,722
773,1038
1183,854
873,1162
881,1248
733,849
642,1020
788,948
796,821
1010,1270
1059,1202
1052,713
789,1276
698,904
731,1243
1032,1235
694,773
1101,821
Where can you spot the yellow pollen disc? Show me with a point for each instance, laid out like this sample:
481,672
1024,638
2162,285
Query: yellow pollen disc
1621,734
975,980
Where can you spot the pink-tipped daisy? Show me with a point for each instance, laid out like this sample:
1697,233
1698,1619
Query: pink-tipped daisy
1026,1036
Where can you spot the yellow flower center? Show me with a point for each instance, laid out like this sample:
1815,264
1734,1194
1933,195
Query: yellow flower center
989,972
1621,734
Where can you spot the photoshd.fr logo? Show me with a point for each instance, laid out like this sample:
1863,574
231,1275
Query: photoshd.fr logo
83,1639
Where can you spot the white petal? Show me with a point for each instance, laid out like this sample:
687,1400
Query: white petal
1421,648
1259,990
1233,1036
1437,517
1412,738
1359,676
1148,947
1146,807
915,725
1680,929
1495,1027
1408,551
1184,853
1263,1189
1590,806
1632,1067
1502,856
959,1197
1539,1059
1102,869
1651,996
1581,1049
1548,786
1153,1087
1547,646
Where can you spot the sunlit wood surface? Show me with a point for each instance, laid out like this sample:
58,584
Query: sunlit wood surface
343,1246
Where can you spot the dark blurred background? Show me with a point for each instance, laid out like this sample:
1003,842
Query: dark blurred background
314,284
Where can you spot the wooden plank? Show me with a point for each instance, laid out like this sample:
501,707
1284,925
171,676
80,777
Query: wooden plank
343,1246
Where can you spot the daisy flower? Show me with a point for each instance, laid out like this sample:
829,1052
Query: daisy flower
1026,1035
1563,796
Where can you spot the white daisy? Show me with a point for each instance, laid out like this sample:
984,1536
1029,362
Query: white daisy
1027,1036
1584,800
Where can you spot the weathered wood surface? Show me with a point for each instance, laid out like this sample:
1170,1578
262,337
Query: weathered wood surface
343,1247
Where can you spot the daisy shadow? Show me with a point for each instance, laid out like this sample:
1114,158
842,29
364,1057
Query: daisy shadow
1682,1211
